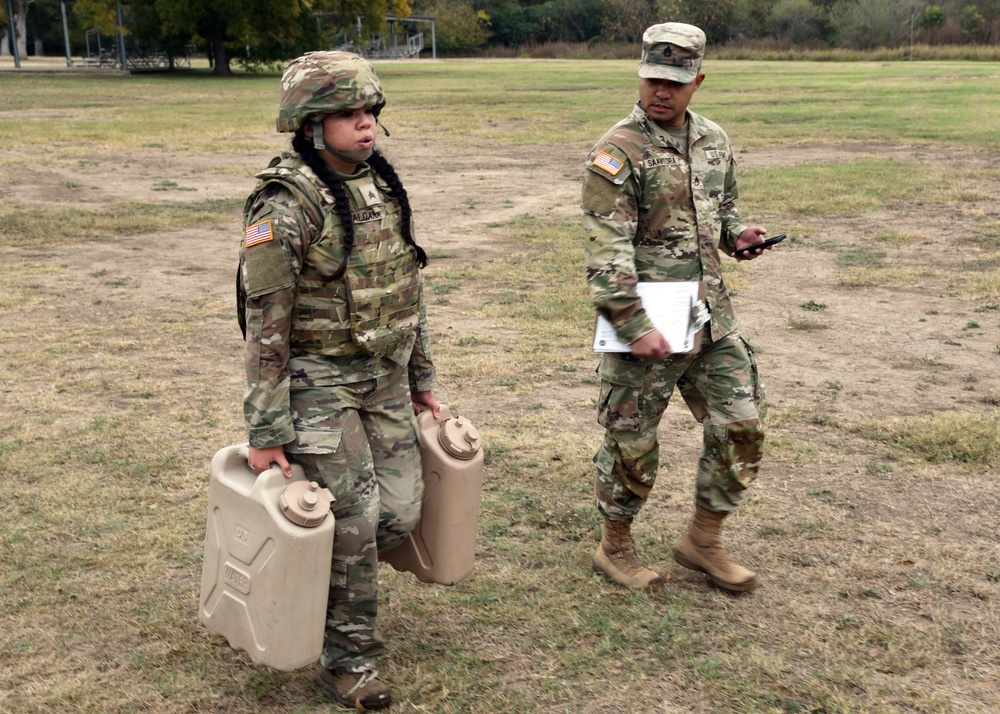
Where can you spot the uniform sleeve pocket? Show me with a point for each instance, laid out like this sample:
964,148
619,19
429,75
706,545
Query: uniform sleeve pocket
255,325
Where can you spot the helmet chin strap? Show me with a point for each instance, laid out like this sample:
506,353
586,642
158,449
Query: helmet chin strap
318,135
351,157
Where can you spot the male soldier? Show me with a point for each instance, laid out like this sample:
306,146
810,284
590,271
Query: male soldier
658,202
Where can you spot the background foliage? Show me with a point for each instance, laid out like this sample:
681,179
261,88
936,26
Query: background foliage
256,33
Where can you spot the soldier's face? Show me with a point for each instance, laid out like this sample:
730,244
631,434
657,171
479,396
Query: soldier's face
667,101
349,131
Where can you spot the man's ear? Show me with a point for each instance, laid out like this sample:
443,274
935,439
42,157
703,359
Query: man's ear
308,129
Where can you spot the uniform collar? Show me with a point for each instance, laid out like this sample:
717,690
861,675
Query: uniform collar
361,171
658,136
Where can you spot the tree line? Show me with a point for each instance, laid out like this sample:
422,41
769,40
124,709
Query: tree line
256,33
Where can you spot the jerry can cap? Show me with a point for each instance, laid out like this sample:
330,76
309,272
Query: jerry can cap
460,438
305,503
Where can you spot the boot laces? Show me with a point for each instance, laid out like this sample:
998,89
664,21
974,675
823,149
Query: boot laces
367,676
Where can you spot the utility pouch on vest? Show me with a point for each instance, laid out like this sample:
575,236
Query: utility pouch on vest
383,285
383,311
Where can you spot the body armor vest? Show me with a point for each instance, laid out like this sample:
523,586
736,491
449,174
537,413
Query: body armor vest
373,307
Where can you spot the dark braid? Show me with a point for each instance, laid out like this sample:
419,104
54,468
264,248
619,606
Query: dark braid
384,169
303,145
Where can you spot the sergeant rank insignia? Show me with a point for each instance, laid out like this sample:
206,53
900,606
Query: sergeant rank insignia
609,163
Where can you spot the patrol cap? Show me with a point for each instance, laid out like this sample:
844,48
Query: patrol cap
672,50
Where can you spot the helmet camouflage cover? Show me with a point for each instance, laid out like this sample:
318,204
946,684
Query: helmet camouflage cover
320,83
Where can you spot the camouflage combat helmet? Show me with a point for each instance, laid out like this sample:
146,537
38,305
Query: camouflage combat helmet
321,83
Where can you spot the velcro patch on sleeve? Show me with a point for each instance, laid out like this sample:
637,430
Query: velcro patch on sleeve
608,163
267,269
258,233
600,194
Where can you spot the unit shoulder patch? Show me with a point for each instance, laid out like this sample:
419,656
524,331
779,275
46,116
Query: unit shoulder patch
608,163
258,233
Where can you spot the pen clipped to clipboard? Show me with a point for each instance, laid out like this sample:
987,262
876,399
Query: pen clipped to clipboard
677,309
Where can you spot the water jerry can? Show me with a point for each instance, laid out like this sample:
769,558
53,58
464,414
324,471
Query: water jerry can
266,576
442,547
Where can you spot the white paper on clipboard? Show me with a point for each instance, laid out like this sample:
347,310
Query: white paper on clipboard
669,308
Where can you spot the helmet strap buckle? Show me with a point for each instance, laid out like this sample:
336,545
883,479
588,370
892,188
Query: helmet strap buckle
318,135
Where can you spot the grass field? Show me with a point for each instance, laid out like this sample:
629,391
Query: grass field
872,526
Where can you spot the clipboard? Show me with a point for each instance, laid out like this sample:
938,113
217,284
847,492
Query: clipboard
676,309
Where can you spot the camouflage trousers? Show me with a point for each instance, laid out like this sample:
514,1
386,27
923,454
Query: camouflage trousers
365,450
721,386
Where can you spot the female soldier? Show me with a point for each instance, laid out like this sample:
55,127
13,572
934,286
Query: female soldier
337,356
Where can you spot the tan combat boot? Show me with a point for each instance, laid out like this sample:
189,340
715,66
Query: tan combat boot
701,549
617,560
362,691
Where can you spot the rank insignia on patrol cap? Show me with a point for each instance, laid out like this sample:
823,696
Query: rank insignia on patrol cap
608,162
672,50
258,233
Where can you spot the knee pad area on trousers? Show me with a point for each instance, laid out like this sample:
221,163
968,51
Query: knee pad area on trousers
736,449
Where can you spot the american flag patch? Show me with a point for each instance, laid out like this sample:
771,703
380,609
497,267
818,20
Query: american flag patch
608,162
258,233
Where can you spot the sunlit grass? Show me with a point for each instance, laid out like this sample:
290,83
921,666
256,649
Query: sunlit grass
848,188
112,418
61,223
520,102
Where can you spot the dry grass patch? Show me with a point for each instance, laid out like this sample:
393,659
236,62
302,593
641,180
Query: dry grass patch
806,325
902,238
985,287
73,222
971,438
887,277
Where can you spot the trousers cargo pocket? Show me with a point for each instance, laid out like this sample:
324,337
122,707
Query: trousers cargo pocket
620,405
759,394
315,441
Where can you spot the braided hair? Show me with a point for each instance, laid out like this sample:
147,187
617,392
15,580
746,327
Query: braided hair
303,145
384,169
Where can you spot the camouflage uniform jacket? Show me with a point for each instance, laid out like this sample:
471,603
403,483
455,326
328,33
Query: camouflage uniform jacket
653,214
302,329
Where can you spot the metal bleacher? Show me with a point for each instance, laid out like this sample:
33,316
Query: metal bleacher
411,50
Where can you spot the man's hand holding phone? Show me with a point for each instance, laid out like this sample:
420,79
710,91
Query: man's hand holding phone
751,243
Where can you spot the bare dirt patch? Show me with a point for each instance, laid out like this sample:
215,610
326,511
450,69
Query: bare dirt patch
852,528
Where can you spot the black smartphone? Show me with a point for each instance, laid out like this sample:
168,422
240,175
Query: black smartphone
755,246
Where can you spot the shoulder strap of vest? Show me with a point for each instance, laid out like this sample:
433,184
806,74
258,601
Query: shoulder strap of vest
291,172
298,178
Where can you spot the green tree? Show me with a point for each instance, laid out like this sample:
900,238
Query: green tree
254,32
509,23
459,29
714,17
931,18
20,25
862,25
972,23
799,20
566,20
750,18
626,20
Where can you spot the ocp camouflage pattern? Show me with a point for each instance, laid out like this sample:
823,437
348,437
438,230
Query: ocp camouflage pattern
320,83
359,440
655,213
339,406
660,218
299,328
722,387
